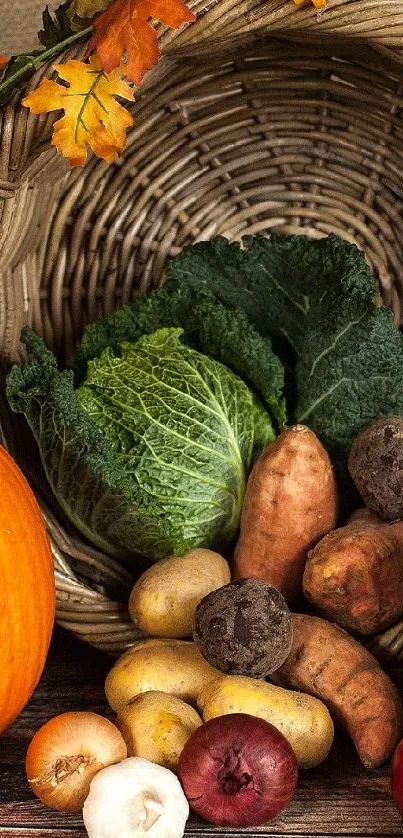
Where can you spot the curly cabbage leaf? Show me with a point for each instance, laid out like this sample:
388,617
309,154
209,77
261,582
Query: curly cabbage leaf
343,353
221,332
151,454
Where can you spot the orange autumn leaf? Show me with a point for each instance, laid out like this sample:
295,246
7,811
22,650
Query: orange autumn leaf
3,61
92,116
318,3
124,28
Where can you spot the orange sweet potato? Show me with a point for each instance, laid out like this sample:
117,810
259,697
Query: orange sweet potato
354,576
290,503
326,662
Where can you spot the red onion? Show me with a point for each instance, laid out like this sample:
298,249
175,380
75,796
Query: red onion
237,770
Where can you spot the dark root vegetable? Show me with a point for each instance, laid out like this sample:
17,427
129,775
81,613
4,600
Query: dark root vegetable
237,770
376,466
244,628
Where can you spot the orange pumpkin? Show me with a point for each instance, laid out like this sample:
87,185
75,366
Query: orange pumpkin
27,591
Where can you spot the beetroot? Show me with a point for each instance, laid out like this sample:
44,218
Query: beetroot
237,770
244,628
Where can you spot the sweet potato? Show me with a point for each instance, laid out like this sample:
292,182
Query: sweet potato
290,503
354,576
329,664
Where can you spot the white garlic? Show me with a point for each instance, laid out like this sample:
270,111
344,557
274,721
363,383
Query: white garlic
135,798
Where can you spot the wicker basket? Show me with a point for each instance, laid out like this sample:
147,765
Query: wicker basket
236,131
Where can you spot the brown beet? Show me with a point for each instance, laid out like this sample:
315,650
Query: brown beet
244,628
376,466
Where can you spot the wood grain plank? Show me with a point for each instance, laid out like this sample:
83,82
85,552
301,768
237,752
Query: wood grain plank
339,798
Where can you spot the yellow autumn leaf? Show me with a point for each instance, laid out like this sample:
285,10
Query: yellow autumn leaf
87,8
92,116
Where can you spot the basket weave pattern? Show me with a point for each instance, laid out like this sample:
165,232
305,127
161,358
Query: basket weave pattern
285,137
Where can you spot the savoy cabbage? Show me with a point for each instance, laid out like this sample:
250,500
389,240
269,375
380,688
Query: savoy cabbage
149,448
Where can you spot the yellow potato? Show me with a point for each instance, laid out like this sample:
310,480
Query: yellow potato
171,666
303,720
156,726
164,600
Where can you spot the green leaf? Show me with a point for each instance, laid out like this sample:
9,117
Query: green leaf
73,452
82,12
151,454
349,374
316,299
216,330
17,72
56,28
20,68
87,9
276,282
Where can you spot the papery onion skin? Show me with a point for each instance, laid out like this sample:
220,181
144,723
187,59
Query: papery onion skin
396,777
238,770
135,798
65,755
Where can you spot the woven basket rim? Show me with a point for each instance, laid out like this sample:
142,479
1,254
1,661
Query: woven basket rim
348,26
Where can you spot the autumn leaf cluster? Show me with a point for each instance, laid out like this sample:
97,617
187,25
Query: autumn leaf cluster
122,47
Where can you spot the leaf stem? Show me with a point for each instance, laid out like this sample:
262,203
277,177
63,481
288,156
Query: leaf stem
87,96
7,86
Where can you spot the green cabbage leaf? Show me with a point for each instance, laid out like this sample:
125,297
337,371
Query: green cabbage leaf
148,444
219,331
316,301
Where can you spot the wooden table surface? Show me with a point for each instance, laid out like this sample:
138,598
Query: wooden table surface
338,798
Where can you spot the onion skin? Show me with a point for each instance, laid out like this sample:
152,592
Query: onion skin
133,799
65,755
396,777
238,770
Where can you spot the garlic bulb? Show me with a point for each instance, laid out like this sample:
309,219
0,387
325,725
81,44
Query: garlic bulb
135,798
